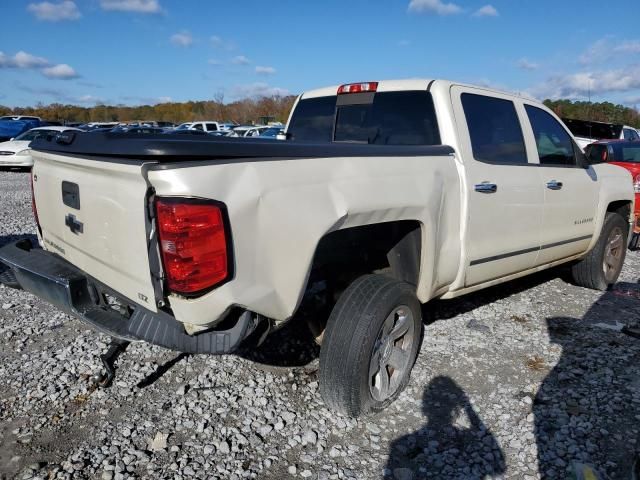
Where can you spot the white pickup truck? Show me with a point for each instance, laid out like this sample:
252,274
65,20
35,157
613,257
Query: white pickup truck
385,196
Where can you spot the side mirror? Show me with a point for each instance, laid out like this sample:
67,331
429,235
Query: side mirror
11,139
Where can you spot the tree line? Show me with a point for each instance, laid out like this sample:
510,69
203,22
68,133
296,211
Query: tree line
276,108
249,110
598,112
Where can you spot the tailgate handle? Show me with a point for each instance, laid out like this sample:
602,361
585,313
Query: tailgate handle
71,195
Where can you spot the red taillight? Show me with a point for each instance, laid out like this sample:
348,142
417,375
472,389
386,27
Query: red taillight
193,243
636,184
33,202
358,87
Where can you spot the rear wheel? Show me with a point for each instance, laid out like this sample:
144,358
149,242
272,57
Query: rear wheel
601,267
370,345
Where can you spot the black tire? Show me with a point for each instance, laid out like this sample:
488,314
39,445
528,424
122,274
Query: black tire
591,271
354,328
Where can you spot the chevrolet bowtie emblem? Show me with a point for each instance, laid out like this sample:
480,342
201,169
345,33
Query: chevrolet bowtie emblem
74,225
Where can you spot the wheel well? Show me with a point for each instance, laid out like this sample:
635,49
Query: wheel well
622,207
394,247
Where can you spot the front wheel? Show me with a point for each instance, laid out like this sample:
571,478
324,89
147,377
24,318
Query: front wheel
370,345
601,267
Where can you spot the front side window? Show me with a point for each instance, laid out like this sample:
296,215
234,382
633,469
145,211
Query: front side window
555,146
496,135
198,126
630,135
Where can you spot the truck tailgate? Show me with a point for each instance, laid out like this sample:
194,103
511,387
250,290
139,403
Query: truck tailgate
93,213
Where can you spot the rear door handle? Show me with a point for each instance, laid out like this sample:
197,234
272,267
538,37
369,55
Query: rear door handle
486,187
554,185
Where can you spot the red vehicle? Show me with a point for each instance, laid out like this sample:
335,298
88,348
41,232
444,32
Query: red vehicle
625,154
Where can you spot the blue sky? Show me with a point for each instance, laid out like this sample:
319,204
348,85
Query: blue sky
147,51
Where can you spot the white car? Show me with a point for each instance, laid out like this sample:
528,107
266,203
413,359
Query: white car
16,152
205,126
250,131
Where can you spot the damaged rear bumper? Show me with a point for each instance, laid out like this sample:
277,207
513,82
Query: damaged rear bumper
56,281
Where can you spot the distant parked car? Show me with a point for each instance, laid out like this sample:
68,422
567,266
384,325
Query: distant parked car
9,129
20,117
101,126
186,132
587,132
250,130
16,152
275,133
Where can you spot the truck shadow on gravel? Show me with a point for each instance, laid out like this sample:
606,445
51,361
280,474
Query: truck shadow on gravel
586,408
454,443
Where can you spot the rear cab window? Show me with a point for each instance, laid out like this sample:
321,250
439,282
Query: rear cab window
382,118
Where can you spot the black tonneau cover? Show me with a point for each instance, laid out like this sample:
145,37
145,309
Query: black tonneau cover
174,148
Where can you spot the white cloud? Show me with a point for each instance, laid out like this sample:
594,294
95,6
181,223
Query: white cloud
486,11
61,71
62,96
265,70
221,43
579,85
89,99
26,61
22,60
182,39
138,6
257,90
240,60
632,46
526,64
55,12
603,49
437,7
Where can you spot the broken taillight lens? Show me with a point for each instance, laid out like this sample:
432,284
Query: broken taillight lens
194,244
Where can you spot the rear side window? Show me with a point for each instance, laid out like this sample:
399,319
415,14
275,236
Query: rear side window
212,127
496,135
312,120
555,146
392,118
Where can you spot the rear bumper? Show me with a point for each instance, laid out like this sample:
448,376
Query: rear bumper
56,281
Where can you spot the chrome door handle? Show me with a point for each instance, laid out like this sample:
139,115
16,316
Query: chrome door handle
486,187
554,185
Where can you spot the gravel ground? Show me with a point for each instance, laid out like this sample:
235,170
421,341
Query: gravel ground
521,381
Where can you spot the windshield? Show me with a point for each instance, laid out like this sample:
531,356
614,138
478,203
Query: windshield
391,118
184,126
33,134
